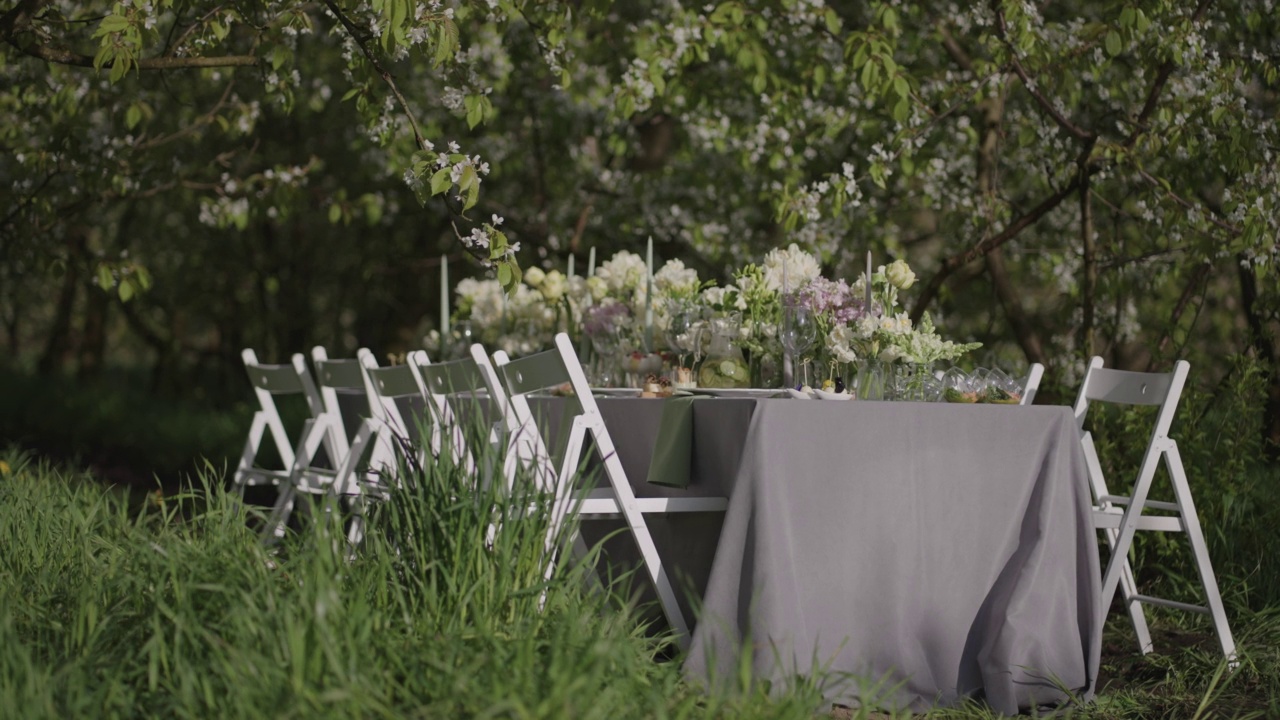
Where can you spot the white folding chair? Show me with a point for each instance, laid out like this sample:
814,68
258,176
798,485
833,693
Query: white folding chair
269,381
1119,517
516,379
326,429
382,434
465,381
1031,384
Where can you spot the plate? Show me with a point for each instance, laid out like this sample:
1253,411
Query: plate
798,395
615,392
824,395
737,392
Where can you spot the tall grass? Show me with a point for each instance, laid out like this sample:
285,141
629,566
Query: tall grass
175,608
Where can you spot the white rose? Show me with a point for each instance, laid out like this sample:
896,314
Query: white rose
534,276
900,275
598,288
553,286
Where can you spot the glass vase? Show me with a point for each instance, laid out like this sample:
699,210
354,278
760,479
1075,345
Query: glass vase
724,365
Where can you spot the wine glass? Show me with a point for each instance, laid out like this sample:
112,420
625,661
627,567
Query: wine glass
798,335
606,346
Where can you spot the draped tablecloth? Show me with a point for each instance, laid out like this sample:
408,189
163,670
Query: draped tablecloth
942,551
913,554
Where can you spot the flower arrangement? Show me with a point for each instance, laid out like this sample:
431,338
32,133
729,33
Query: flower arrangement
622,305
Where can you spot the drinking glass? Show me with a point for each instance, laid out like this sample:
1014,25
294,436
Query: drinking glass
798,335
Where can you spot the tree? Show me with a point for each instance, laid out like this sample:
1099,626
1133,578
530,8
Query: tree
1073,178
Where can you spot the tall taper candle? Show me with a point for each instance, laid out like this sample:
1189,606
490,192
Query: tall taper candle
648,298
570,266
444,303
591,262
868,306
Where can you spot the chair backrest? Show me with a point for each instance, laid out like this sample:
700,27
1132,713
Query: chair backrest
510,384
1031,384
271,380
1124,387
388,384
332,376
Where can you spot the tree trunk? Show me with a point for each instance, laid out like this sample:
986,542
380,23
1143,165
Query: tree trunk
58,345
1264,350
1089,270
93,335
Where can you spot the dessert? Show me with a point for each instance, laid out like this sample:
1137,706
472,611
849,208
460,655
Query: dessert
656,386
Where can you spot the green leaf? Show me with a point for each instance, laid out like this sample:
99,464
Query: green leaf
133,116
441,181
504,274
105,279
1127,17
335,213
279,56
126,290
475,114
113,23
1113,43
1142,22
473,196
902,110
832,20
468,178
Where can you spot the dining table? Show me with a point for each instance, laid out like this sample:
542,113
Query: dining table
900,555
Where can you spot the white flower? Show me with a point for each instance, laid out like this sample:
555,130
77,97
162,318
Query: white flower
675,277
553,286
801,267
839,343
534,276
900,275
891,353
598,287
623,272
899,324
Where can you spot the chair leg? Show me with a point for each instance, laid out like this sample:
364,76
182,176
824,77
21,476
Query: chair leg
1213,598
1129,591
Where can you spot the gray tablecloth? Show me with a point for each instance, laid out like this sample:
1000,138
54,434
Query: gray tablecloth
942,551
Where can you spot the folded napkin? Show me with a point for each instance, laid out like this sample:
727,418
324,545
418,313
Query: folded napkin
673,451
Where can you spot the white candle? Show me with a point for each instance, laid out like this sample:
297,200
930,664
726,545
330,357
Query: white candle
868,281
444,303
570,266
648,298
591,262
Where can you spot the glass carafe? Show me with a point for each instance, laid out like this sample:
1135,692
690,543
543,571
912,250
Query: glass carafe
724,366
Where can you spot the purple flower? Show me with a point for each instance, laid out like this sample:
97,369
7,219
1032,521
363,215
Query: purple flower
604,319
829,297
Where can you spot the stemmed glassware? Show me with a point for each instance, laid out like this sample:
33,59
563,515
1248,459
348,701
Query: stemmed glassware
798,334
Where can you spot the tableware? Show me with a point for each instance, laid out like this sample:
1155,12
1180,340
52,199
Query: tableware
828,395
736,392
615,392
725,367
799,394
798,334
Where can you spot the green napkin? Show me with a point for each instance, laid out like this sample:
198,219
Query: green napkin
673,451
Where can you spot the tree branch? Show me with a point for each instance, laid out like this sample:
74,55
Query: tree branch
1030,85
354,32
1157,86
986,245
67,57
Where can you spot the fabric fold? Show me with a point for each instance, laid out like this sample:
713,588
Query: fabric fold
673,450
